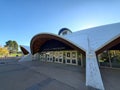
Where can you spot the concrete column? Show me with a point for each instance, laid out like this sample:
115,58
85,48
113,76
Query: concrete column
93,76
81,57
26,58
108,53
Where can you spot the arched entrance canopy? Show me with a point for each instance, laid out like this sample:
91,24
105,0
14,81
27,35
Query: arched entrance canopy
40,39
113,45
25,52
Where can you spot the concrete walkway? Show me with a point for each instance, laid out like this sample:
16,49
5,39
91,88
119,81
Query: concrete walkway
111,78
37,75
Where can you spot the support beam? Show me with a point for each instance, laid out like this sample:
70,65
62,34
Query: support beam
108,53
93,76
81,57
27,57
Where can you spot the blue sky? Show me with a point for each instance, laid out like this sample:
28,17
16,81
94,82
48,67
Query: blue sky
20,20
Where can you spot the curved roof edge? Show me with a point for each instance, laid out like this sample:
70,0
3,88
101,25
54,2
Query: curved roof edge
108,42
53,36
99,26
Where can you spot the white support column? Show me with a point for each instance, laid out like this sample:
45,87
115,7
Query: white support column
93,76
26,58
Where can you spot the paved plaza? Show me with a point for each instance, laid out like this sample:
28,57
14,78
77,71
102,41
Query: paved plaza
111,78
36,75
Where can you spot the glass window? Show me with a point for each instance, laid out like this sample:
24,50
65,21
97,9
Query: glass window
73,54
60,60
68,60
64,33
56,59
74,61
50,59
68,54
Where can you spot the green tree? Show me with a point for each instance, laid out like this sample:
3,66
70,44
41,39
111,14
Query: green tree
15,45
12,46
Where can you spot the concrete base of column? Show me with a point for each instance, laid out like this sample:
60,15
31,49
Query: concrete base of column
93,76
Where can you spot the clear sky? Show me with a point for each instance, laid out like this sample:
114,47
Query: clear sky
20,20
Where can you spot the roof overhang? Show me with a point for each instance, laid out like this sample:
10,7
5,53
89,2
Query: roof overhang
109,44
38,40
24,50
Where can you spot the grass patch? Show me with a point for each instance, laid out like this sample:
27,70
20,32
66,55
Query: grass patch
15,54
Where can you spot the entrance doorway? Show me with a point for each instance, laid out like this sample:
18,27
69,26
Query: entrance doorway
71,57
68,57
